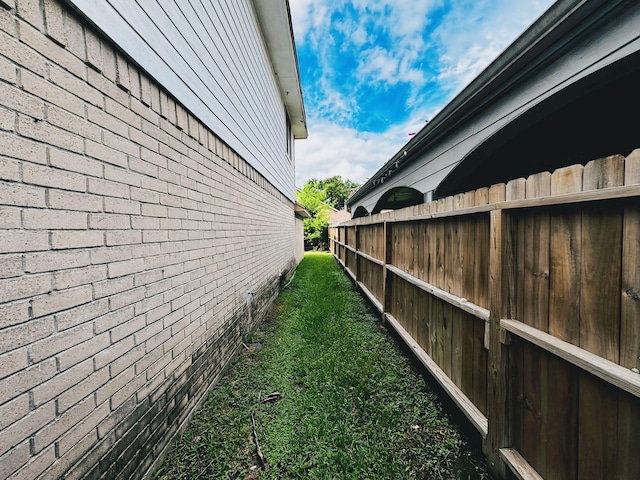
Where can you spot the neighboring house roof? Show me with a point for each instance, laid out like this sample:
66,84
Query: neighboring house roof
338,216
574,49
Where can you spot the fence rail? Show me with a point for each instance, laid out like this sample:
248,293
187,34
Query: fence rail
523,301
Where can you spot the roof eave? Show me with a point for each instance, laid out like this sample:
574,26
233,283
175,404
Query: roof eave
274,17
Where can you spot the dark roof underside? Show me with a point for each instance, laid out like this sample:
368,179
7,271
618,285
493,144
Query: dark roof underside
594,118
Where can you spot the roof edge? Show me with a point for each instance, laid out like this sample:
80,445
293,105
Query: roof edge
274,17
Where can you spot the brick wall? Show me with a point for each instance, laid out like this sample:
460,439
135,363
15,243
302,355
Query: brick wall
130,238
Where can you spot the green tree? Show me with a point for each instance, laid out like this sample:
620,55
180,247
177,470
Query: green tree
337,190
319,197
316,228
312,196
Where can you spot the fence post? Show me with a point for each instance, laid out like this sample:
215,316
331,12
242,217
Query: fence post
332,247
386,279
356,258
501,305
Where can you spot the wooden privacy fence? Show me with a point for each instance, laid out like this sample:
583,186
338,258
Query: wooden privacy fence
523,301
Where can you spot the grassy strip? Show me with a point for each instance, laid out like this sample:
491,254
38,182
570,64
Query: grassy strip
352,407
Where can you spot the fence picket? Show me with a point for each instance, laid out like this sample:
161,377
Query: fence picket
533,398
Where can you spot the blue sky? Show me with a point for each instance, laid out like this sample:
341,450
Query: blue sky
374,71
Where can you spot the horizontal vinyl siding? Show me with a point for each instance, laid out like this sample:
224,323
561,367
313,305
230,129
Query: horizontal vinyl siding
210,55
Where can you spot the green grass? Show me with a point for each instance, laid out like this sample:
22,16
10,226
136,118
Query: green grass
352,406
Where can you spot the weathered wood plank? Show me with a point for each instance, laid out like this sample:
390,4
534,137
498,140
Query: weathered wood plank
497,193
454,268
430,227
534,404
628,435
515,189
468,226
460,399
447,339
532,378
480,356
482,196
632,168
600,271
467,353
416,236
518,465
481,251
630,305
414,294
423,319
538,185
562,419
600,281
536,260
440,255
437,321
607,370
566,180
603,173
469,200
501,284
386,247
454,300
481,267
597,420
519,406
565,253
422,250
449,254
457,338
537,237
447,204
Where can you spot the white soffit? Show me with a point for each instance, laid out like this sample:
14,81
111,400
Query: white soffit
275,21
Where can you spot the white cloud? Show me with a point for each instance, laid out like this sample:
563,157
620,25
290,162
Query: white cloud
474,33
378,65
469,37
333,105
307,15
335,150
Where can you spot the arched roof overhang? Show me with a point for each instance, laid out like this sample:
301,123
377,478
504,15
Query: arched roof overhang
360,212
587,120
398,197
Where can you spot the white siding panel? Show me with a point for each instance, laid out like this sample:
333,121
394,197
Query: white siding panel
210,55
